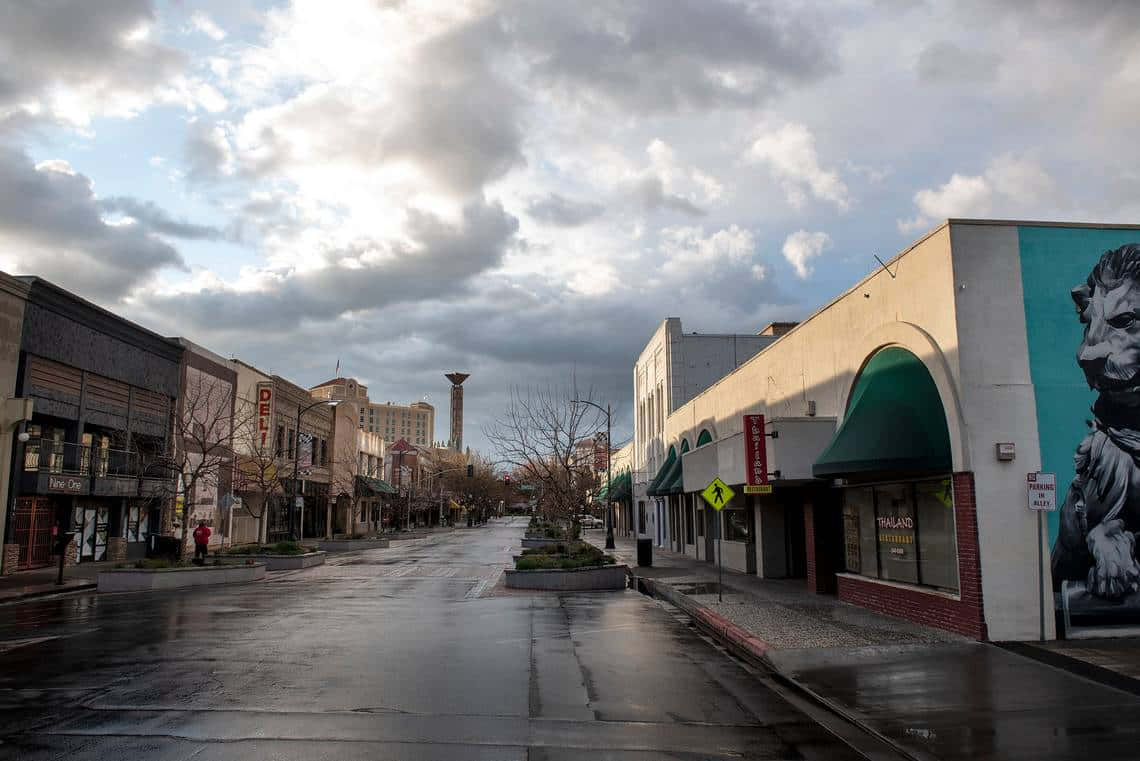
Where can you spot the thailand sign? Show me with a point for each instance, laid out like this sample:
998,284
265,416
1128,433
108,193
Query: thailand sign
755,456
264,415
1041,489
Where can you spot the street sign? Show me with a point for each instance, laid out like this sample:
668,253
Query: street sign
717,493
763,489
1041,489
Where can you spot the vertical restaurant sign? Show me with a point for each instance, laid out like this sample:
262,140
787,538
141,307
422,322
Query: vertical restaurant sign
755,450
264,415
304,450
601,451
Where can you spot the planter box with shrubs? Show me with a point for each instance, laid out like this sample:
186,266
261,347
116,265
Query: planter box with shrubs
566,566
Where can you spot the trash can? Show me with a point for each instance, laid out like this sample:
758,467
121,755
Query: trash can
645,552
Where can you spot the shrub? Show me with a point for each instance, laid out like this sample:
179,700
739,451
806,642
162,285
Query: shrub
566,556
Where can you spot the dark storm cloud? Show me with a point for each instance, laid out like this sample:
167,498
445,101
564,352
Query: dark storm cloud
650,192
443,258
557,210
660,55
945,62
51,224
77,43
152,217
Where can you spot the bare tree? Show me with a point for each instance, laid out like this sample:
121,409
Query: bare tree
538,435
258,472
203,452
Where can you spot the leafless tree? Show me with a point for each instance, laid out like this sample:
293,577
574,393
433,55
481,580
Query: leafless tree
258,472
538,434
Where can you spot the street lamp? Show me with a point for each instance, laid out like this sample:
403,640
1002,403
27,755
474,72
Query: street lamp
609,464
297,456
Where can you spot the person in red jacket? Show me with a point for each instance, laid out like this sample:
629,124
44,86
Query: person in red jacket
201,540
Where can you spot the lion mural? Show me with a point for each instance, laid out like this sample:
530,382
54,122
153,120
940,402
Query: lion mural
1096,543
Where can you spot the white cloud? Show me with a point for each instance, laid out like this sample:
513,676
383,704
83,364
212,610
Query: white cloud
1009,186
801,247
206,26
689,253
791,156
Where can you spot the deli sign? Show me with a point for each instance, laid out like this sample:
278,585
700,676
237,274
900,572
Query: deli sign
264,415
756,455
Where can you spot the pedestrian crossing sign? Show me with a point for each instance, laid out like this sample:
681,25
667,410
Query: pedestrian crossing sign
717,493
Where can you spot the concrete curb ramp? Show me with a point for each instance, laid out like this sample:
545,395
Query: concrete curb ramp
349,545
140,579
281,562
607,577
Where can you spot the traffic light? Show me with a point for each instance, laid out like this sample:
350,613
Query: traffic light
470,471
507,480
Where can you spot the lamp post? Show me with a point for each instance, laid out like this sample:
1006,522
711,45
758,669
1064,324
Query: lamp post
297,455
609,464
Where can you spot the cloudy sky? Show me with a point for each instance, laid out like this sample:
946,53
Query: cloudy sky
523,190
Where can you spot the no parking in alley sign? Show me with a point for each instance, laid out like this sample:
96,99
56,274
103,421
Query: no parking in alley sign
1042,491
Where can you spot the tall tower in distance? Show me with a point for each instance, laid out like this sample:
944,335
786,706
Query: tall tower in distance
456,441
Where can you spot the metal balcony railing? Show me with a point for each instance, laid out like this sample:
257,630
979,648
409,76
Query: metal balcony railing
67,458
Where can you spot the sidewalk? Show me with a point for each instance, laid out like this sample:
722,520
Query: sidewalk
929,693
41,581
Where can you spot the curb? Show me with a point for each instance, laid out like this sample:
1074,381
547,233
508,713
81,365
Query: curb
754,650
47,592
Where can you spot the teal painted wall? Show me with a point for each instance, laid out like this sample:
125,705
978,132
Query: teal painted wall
1054,260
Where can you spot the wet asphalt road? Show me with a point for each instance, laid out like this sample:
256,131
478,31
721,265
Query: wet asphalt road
411,652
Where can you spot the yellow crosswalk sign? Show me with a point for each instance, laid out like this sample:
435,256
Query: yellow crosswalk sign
717,493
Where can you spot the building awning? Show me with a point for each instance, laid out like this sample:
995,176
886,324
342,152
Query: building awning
895,422
653,490
621,487
373,487
674,479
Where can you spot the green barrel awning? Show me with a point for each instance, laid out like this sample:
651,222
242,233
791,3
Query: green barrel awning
622,487
658,481
894,423
374,487
602,491
673,484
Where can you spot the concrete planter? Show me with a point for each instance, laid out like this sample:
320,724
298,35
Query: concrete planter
539,542
603,577
142,579
348,545
281,562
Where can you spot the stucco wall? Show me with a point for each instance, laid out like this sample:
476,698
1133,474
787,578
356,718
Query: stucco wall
819,359
997,403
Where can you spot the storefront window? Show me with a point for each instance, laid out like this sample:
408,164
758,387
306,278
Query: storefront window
902,532
894,520
687,506
736,528
938,563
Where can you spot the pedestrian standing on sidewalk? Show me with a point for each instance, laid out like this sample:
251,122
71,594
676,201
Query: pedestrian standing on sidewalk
201,541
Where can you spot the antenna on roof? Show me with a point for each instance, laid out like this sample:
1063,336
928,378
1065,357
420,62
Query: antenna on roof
880,261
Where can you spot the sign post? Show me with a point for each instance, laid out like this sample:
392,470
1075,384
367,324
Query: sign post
1041,494
718,495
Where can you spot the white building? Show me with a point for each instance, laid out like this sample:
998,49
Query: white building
672,369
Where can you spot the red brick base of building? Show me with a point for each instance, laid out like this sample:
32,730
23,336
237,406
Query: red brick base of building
962,613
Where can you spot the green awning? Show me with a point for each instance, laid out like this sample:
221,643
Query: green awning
601,493
676,476
622,487
373,487
654,486
895,422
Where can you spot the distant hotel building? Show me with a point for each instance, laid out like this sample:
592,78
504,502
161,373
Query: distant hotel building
414,422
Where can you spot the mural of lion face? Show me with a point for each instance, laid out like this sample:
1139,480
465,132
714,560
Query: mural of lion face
1100,519
1109,307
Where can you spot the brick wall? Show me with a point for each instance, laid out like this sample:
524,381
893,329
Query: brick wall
10,559
964,615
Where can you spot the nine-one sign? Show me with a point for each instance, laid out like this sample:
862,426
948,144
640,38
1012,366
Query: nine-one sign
755,450
1042,491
